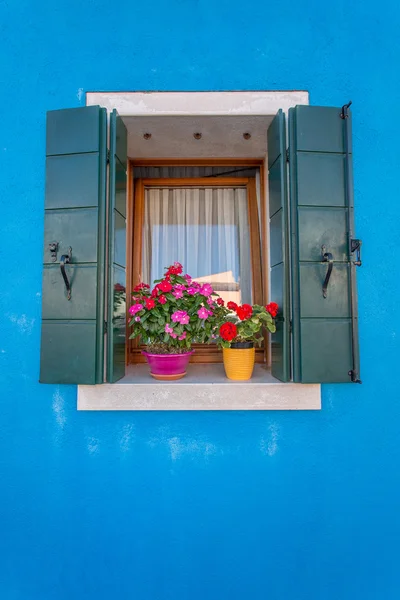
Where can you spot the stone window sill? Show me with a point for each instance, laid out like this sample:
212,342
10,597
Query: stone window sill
205,387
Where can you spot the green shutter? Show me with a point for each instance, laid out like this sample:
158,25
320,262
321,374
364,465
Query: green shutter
116,331
279,249
325,338
72,349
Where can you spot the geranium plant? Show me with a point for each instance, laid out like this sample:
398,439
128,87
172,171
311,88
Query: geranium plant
245,323
175,314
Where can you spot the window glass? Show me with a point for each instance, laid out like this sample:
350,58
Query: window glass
207,230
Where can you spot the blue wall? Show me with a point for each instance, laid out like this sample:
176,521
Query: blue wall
189,505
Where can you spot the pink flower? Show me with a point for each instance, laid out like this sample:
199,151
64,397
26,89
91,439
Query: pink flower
179,286
177,294
173,335
137,318
210,301
168,328
206,289
188,278
182,337
180,316
135,308
191,291
203,313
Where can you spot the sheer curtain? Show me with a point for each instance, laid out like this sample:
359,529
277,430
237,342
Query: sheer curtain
207,230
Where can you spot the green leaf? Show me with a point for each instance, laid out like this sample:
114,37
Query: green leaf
145,317
180,279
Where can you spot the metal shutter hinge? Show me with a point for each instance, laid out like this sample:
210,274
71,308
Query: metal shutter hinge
354,377
355,246
345,110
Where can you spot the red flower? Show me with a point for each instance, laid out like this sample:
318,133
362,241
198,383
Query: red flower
140,287
154,293
220,302
228,331
244,312
165,286
175,269
150,303
162,299
272,308
232,305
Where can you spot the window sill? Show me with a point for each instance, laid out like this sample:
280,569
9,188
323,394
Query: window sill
205,387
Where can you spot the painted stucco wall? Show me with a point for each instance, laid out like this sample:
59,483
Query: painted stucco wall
160,506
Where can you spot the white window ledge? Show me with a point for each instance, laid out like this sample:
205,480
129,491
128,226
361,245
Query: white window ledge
205,387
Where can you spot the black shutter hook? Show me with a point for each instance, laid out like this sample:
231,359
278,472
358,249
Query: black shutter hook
65,260
326,257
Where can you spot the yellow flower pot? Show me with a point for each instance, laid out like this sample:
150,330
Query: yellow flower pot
239,363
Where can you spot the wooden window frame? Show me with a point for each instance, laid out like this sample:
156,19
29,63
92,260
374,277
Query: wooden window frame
135,218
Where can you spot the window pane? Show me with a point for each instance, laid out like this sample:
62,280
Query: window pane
206,230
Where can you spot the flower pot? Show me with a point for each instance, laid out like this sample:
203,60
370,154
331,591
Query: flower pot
239,360
168,367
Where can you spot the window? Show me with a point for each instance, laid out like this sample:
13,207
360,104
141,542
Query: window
308,233
210,223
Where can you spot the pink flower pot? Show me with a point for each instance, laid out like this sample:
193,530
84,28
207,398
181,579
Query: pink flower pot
168,366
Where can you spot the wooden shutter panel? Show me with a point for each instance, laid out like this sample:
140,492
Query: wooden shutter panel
116,319
72,349
279,245
325,337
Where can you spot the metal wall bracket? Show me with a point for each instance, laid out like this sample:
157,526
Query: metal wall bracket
53,249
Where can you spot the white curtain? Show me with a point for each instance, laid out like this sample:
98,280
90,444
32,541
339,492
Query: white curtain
205,229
